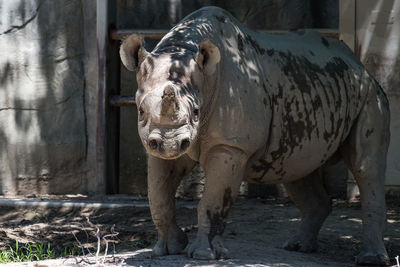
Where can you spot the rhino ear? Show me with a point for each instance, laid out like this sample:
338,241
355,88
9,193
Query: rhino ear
208,57
132,52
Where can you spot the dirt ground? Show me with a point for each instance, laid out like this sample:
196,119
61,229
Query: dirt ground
255,232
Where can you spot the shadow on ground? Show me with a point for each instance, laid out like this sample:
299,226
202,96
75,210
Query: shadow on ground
254,235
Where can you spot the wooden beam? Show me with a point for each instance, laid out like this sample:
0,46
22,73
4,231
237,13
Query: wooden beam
150,34
107,136
120,34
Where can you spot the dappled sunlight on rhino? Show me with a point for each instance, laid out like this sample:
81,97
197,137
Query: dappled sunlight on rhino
261,108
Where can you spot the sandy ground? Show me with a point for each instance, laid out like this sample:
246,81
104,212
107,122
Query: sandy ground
255,232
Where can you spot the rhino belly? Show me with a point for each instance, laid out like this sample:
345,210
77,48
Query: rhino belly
297,163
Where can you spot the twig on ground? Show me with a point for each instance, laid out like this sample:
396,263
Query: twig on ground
98,239
79,243
108,238
84,257
112,235
82,227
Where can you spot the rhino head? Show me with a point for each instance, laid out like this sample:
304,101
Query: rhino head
169,96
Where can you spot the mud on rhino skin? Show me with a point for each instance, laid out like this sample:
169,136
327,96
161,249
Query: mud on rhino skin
262,108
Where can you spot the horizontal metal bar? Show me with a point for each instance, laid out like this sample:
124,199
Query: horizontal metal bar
333,33
121,101
151,34
158,34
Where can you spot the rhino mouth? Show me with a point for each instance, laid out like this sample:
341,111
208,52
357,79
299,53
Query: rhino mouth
167,148
163,154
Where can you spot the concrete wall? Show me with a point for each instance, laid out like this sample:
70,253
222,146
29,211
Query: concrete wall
48,81
372,29
378,46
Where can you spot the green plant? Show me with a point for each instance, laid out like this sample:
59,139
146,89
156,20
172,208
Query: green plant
35,252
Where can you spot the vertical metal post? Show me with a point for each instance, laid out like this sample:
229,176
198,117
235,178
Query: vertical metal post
107,137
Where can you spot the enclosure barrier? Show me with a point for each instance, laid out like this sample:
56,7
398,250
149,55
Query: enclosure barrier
109,98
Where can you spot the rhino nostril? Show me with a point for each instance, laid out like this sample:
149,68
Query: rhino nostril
185,144
153,144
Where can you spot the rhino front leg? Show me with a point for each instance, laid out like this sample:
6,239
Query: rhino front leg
310,197
224,169
163,179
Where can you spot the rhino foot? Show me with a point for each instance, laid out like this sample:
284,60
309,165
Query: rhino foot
201,249
372,259
305,245
174,244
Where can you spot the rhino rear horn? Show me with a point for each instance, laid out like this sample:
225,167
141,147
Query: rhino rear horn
208,57
132,52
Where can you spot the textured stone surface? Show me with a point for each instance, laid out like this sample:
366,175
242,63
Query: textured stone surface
393,162
44,79
325,13
378,46
385,70
90,72
258,14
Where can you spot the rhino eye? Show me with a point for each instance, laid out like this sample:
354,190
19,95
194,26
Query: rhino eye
141,113
196,114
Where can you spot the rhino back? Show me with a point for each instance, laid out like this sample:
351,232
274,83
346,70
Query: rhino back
317,88
284,99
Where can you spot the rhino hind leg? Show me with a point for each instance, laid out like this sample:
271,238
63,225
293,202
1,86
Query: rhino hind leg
364,152
310,197
163,179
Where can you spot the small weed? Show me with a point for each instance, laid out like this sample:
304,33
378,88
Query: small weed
35,252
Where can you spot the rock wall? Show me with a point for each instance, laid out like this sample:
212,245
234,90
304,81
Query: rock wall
372,30
378,46
47,86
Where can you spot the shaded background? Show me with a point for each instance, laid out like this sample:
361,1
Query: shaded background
48,83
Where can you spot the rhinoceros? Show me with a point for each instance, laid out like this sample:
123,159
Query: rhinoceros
262,108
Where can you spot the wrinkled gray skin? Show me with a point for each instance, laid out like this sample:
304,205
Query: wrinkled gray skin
259,108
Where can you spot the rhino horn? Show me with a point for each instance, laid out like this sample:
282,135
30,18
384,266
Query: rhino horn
170,105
